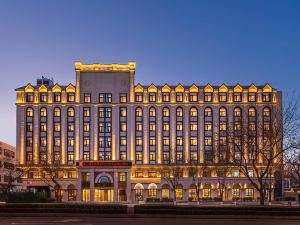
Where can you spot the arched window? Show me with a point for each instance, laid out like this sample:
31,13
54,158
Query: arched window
208,112
71,112
57,112
138,112
193,112
29,112
166,112
179,112
237,112
43,112
251,112
152,112
223,111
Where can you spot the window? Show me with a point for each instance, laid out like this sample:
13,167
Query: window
86,141
57,127
179,127
152,97
166,141
152,141
193,141
29,97
166,112
266,112
123,126
123,112
251,112
28,127
43,97
266,97
86,112
152,112
193,127
123,141
87,98
86,127
223,141
56,112
249,192
57,97
237,97
208,112
206,193
139,174
138,97
208,126
179,141
222,112
237,112
208,141
29,112
222,97
71,112
138,156
105,98
71,97
250,173
43,112
152,174
70,127
43,142
152,127
166,126
70,142
165,97
251,97
235,173
43,127
223,126
28,142
179,97
122,177
207,97
56,141
123,98
193,112
193,97
138,141
138,112
138,127
179,112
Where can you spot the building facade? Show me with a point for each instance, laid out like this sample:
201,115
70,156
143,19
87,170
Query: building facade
8,165
112,137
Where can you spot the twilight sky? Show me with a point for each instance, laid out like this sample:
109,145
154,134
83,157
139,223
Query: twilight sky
172,41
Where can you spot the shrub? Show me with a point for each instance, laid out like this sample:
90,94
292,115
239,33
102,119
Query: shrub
152,200
290,198
217,199
247,199
166,200
235,198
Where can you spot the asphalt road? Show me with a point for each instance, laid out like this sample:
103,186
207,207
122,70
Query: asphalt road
144,221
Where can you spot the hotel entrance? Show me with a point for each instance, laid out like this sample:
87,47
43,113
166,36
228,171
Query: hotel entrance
104,195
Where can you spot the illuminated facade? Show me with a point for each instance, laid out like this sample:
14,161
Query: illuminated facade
111,137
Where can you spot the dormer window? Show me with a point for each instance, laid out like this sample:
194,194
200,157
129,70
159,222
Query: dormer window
29,97
252,97
222,97
57,97
152,97
43,97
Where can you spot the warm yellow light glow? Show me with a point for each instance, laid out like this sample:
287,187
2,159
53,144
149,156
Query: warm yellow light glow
179,88
29,88
252,88
223,88
70,88
152,88
238,88
267,88
139,88
56,88
105,67
208,88
193,88
166,88
43,88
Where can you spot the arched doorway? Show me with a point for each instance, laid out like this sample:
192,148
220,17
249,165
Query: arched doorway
165,191
236,192
179,192
152,190
192,193
138,191
104,191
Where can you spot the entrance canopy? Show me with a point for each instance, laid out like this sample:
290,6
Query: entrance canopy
152,186
138,186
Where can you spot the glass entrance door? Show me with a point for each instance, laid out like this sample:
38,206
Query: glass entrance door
104,195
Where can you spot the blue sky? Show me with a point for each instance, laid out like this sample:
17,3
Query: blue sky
172,41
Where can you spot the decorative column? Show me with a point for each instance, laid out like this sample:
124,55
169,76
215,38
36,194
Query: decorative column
92,185
128,186
79,188
115,186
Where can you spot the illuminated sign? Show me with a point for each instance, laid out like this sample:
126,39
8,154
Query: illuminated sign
103,163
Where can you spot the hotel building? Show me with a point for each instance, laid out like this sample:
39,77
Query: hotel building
112,137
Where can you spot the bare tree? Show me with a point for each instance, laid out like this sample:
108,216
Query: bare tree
12,176
171,174
194,173
222,171
292,167
257,148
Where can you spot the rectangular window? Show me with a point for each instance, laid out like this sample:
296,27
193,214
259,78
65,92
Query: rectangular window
43,97
193,127
179,127
29,127
123,112
123,98
57,97
139,174
152,174
43,127
138,97
166,126
251,97
57,142
138,141
208,141
207,126
222,126
179,97
235,173
166,141
43,142
57,127
193,141
70,142
152,97
166,97
193,97
222,97
86,127
207,97
123,126
138,127
266,97
29,97
86,141
152,127
71,97
123,141
179,141
152,141
122,177
86,112
87,98
70,127
237,97
152,156
138,156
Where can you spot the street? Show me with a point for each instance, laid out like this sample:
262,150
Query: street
92,220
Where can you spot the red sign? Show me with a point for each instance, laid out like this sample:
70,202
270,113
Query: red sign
103,163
